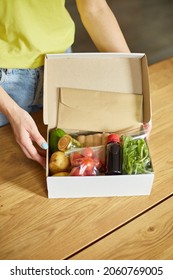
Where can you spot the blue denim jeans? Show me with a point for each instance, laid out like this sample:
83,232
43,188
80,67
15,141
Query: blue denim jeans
25,87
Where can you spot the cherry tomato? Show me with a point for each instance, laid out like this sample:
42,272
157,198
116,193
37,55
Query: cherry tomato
76,159
88,163
77,171
77,162
87,152
92,172
97,163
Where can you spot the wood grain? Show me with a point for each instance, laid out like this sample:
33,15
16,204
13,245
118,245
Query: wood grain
35,227
147,237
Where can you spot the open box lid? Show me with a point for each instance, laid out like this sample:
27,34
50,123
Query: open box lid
115,84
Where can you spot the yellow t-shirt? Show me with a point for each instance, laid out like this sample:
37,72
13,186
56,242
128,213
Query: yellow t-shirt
29,29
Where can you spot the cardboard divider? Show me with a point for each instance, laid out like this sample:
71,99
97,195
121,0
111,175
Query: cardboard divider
98,110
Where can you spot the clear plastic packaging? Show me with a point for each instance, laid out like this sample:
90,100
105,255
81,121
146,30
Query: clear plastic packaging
87,150
138,133
88,161
135,156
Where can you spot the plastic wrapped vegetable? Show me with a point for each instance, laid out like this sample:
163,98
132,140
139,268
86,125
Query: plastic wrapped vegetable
60,140
135,156
55,135
67,142
87,161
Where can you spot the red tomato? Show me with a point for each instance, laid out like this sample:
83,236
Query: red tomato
75,155
92,172
77,162
77,171
76,159
87,152
88,163
97,163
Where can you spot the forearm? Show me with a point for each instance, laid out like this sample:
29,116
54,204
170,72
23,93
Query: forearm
7,105
102,27
24,128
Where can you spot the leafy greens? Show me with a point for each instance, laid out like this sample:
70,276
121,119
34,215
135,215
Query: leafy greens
135,156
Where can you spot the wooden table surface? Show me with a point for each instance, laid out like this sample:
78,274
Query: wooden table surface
35,227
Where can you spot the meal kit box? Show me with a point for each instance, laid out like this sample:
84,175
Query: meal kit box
96,92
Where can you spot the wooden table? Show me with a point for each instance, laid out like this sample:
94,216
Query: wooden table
35,227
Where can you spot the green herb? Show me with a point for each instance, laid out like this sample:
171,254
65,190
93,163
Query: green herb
135,156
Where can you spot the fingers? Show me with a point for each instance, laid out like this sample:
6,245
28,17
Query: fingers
26,140
32,153
26,133
38,138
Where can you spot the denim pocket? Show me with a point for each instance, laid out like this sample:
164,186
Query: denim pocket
2,76
20,84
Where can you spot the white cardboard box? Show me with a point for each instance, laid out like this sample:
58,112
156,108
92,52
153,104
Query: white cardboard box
122,81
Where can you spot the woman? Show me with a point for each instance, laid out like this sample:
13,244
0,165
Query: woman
28,30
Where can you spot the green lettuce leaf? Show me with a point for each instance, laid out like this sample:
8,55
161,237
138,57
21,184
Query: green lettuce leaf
135,156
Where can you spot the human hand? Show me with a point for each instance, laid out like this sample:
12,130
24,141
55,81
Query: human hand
26,134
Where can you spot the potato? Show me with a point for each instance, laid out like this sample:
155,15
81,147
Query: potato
58,162
62,173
